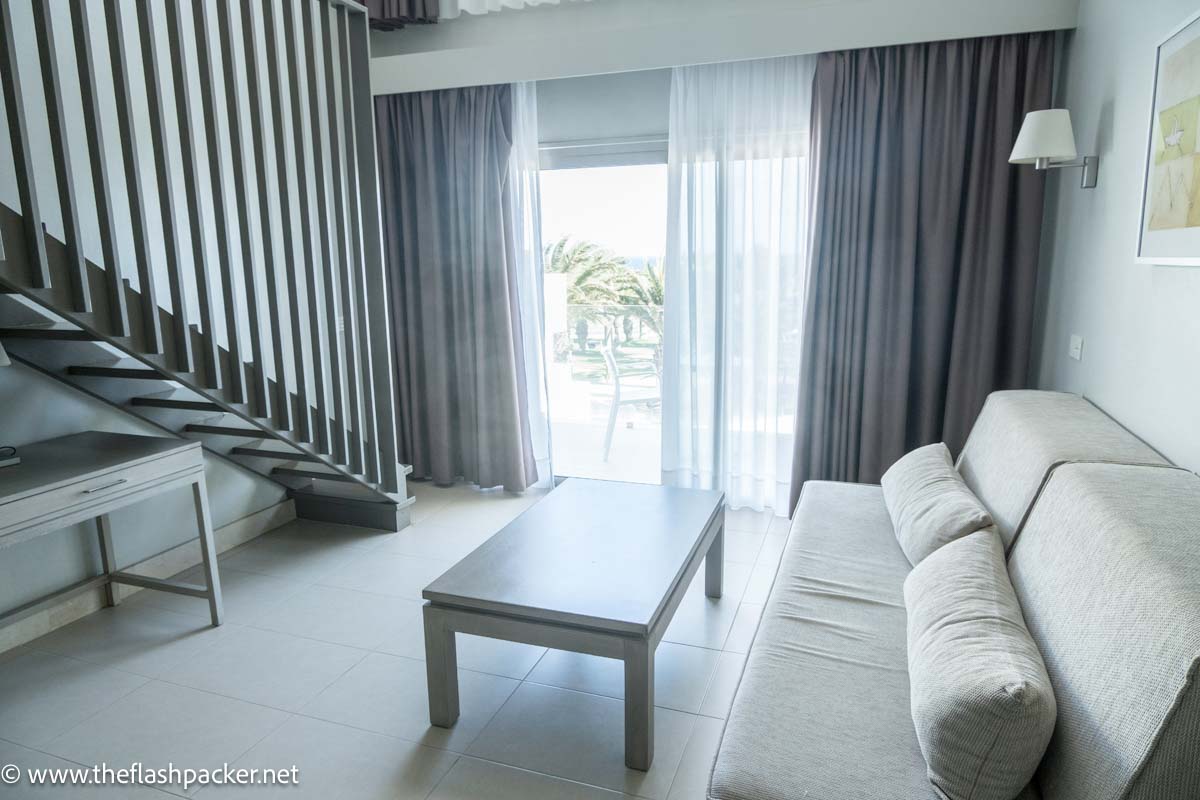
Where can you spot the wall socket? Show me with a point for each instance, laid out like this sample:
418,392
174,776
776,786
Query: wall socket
1075,350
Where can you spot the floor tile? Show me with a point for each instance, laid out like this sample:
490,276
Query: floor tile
758,588
160,723
144,639
42,695
580,737
702,621
265,667
723,685
28,759
780,526
387,694
341,616
772,549
484,513
472,779
244,595
301,561
381,573
682,674
745,519
477,653
328,534
745,624
334,761
691,779
743,546
440,542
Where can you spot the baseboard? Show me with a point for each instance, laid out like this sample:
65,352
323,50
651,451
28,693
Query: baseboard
163,565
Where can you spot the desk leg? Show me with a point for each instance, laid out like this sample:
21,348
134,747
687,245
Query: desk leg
714,564
208,550
639,704
441,669
112,594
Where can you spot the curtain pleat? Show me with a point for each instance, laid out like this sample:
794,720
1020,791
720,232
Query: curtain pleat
450,246
924,248
734,274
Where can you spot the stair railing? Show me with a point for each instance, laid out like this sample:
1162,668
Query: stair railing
229,148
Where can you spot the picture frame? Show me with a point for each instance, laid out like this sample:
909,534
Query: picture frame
1169,222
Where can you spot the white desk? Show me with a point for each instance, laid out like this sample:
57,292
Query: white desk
62,481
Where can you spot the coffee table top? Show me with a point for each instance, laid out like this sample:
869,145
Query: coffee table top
596,554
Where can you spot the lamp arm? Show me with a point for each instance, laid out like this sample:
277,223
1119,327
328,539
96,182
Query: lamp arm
1089,164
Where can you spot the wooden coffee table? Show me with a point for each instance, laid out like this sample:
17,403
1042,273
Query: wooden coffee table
595,567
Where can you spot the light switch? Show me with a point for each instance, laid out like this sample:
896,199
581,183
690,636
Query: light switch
1075,351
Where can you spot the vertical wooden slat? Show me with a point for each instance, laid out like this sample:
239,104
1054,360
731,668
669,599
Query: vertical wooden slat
375,276
250,34
320,146
197,222
118,309
369,432
305,151
117,20
18,135
247,224
151,67
282,156
209,78
81,298
343,238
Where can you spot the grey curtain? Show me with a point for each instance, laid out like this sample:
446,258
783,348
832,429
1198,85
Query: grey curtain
449,245
924,248
388,15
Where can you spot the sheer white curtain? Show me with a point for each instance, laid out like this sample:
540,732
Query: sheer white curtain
735,269
527,229
448,9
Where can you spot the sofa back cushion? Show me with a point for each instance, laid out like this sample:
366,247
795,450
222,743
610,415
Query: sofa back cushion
982,704
929,504
1107,570
1021,436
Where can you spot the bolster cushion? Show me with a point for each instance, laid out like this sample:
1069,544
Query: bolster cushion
982,703
929,503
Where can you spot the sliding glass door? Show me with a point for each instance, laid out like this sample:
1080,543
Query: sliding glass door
603,233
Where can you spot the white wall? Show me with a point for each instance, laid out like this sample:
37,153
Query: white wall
1141,324
619,35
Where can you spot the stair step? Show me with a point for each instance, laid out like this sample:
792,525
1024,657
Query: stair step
133,373
282,455
292,472
60,333
172,402
225,430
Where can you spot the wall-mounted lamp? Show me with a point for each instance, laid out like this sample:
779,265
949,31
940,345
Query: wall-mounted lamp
1047,141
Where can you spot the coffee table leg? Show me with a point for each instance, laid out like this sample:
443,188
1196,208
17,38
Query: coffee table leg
714,564
639,704
441,667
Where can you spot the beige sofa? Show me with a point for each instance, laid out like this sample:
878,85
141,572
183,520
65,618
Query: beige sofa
1105,559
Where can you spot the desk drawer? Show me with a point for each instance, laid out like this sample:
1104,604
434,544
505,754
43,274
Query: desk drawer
96,491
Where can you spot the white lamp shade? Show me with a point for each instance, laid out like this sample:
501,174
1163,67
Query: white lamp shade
4,362
1045,134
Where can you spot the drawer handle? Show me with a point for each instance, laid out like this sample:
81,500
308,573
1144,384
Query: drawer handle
106,486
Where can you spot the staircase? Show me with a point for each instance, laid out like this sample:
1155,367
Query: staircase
275,349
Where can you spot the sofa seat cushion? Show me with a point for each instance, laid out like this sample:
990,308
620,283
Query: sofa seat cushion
822,710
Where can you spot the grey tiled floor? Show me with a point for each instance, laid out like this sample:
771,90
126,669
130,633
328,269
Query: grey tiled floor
320,665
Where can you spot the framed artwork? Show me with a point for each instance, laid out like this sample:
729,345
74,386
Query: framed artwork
1170,223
